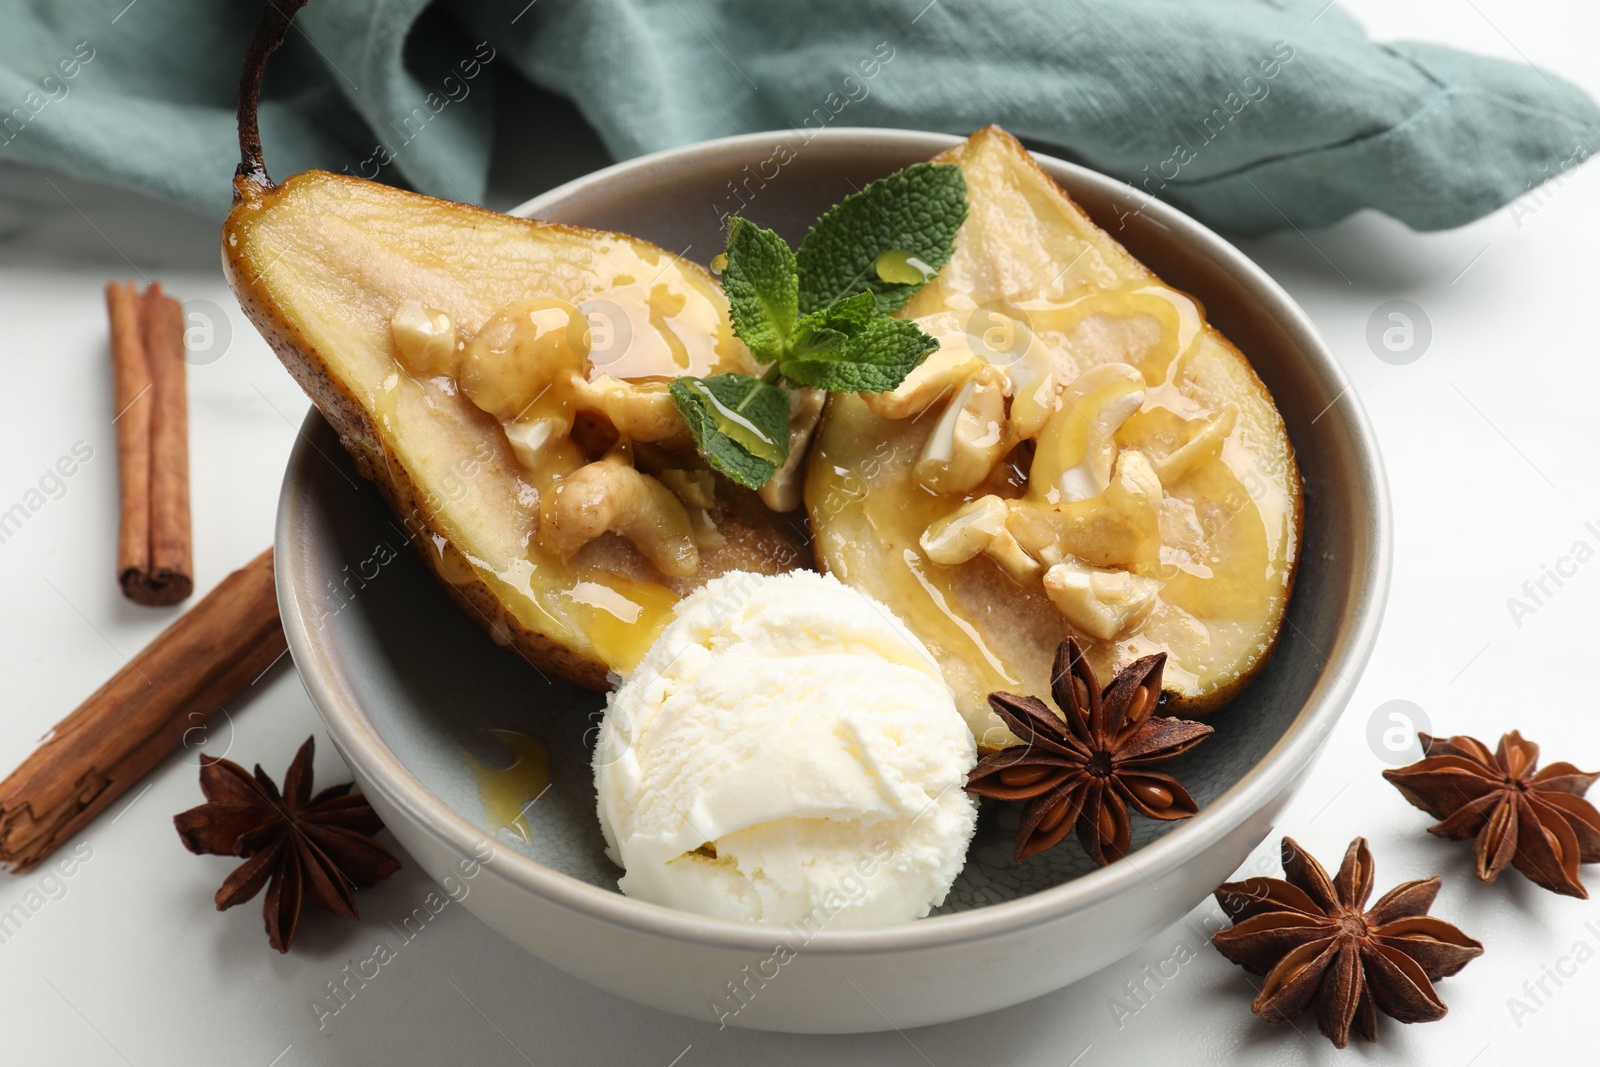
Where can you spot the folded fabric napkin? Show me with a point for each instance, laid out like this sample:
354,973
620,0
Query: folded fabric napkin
1251,114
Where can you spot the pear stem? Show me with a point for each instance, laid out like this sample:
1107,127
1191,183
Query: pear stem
275,20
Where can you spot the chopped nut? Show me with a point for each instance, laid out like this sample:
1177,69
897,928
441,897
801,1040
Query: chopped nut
782,491
1076,447
426,340
965,532
1120,527
697,488
1101,603
1013,558
639,411
529,349
526,367
609,495
966,442
533,440
941,374
707,536
978,528
1031,379
1125,526
1001,351
1206,443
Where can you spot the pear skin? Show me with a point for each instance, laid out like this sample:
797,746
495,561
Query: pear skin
322,263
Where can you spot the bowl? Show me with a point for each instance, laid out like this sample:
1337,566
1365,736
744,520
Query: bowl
422,705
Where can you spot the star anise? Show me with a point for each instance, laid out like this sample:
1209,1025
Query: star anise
1313,941
1085,767
1536,822
294,843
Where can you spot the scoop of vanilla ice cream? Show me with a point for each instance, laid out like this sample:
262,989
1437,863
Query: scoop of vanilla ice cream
787,751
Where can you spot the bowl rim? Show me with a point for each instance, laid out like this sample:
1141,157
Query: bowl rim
361,745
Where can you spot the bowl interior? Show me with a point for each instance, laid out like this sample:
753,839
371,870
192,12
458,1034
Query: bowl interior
447,702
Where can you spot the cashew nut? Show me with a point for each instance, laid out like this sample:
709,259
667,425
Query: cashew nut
965,532
1076,447
537,440
707,535
1119,527
640,411
966,442
697,488
782,491
1101,603
526,367
1013,558
1027,376
1206,443
609,495
529,354
1031,384
979,528
941,374
426,340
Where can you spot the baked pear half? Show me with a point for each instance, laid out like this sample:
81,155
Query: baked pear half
504,382
1083,455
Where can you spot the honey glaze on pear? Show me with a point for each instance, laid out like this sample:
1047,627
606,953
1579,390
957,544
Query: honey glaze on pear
1082,457
452,350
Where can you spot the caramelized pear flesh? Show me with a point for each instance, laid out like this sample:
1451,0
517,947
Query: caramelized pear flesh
358,287
1136,490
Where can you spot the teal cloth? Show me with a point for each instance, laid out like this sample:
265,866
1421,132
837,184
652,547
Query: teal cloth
1251,114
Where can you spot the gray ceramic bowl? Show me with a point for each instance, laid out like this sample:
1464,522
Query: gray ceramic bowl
408,686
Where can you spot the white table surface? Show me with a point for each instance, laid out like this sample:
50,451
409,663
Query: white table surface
1491,442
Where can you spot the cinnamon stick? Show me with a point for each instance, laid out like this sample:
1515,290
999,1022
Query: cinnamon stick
199,663
155,559
171,552
131,388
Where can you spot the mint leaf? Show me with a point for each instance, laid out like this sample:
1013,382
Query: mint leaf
873,360
849,347
828,329
916,210
849,314
740,423
762,288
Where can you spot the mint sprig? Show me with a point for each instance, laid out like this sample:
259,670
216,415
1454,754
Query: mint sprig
820,318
